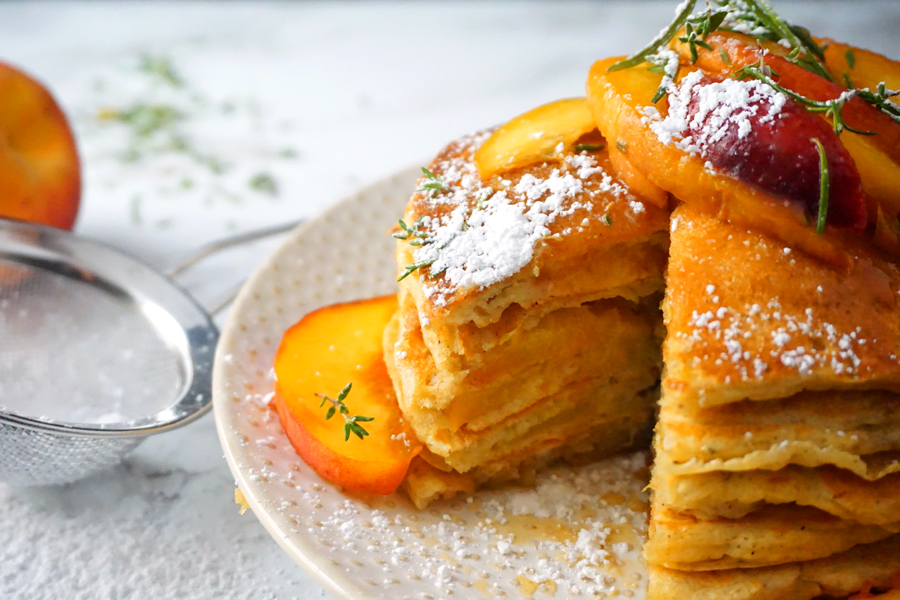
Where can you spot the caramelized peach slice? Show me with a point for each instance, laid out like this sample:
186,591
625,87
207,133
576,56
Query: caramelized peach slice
319,355
534,136
868,68
40,178
636,180
877,157
743,50
619,101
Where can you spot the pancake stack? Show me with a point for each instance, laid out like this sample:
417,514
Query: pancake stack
777,470
528,326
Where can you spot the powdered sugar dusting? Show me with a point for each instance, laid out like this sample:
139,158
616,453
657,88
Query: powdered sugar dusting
721,107
800,343
489,233
590,523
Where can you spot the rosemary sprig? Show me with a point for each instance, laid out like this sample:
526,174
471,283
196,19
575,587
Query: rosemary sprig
832,108
433,184
824,185
705,24
351,422
881,99
664,37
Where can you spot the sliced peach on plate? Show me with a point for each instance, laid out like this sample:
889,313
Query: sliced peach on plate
620,100
366,445
40,178
534,136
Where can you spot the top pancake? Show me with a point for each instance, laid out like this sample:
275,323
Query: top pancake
543,236
748,318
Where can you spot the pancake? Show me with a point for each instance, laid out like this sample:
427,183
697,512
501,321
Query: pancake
430,479
748,318
529,329
733,495
772,535
778,441
528,241
859,569
569,411
837,426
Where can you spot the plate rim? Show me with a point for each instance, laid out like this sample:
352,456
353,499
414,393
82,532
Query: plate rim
316,565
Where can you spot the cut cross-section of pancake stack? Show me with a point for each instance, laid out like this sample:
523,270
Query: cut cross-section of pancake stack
776,471
531,331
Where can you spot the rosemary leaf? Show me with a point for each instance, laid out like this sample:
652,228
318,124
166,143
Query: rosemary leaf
850,58
824,184
588,147
662,39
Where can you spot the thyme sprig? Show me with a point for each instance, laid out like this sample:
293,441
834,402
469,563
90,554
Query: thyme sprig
414,232
433,183
351,422
824,185
416,237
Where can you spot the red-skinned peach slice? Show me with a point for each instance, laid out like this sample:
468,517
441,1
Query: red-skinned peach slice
40,179
742,51
327,349
618,100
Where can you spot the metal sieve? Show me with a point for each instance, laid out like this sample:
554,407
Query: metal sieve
97,351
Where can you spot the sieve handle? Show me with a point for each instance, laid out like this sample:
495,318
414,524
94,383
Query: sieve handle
207,250
229,242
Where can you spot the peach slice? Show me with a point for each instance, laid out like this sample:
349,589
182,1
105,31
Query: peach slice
742,51
877,157
534,136
868,68
318,356
40,177
618,100
636,180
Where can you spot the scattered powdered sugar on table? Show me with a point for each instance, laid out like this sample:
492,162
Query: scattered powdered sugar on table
703,111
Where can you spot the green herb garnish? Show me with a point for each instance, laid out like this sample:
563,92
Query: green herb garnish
264,183
661,40
162,68
831,108
433,183
824,184
588,147
351,422
850,58
607,220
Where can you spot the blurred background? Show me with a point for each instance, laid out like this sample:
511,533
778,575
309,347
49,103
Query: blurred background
195,120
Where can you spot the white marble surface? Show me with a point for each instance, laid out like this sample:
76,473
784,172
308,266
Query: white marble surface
322,98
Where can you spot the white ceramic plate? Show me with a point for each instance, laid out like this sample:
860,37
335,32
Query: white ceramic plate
576,533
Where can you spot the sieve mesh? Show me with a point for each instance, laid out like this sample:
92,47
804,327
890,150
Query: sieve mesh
97,351
73,352
30,457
